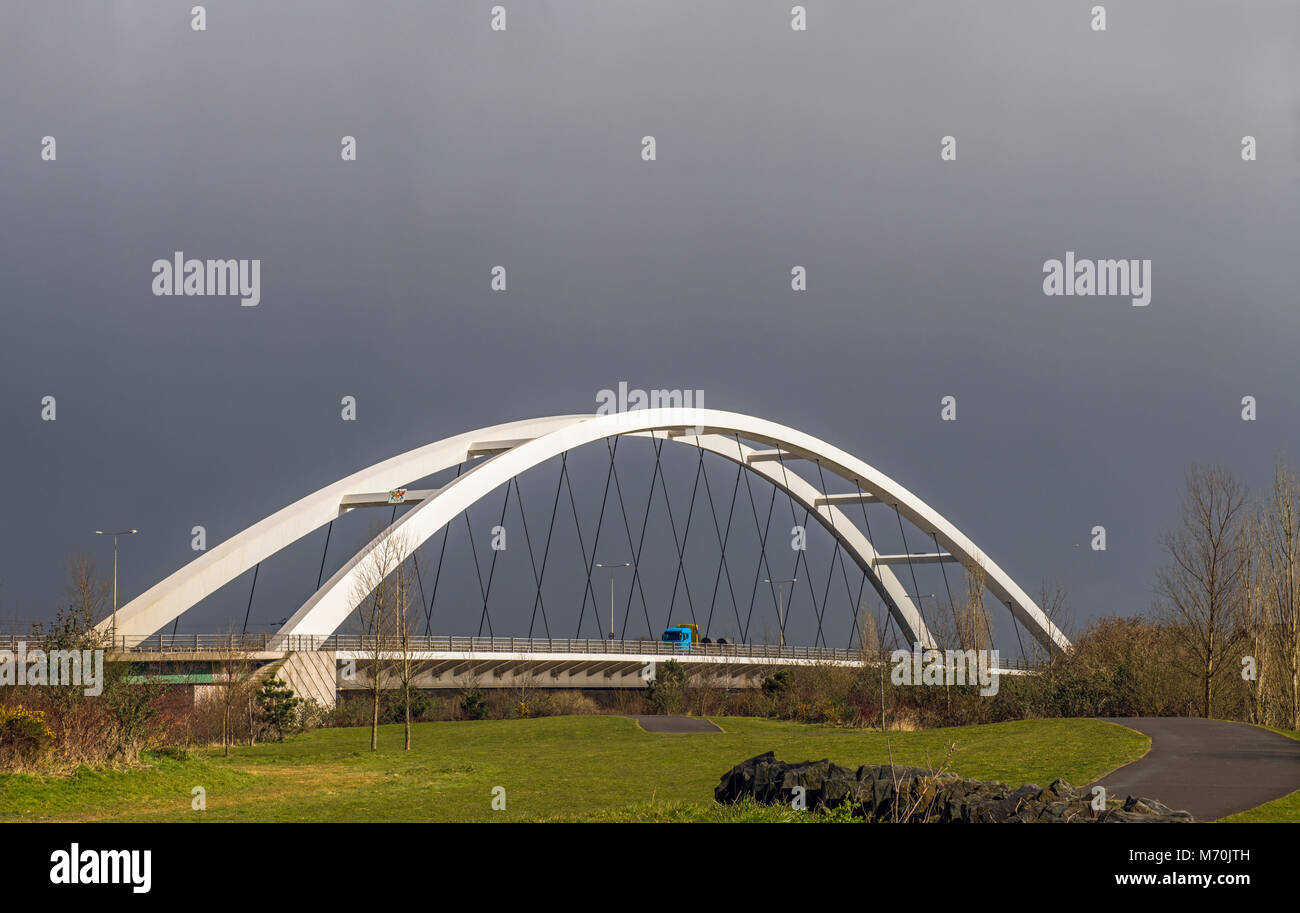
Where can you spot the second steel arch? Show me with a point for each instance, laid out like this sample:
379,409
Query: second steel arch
720,433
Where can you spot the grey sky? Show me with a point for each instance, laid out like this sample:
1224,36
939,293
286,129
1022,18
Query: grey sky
775,148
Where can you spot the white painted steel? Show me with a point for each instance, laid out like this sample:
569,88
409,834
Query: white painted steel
516,447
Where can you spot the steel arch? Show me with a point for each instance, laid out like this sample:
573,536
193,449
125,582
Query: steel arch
513,448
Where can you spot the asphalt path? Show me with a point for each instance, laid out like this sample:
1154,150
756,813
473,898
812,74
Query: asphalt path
674,724
1210,768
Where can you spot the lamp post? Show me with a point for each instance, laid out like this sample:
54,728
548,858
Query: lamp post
121,532
612,567
780,602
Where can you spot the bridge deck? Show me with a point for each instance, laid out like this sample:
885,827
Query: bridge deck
500,650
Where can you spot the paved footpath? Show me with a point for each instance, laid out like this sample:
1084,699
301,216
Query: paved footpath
674,724
1210,768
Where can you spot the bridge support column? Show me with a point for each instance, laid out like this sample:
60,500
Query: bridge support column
312,674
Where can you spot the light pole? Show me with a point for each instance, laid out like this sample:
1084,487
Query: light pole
121,532
780,602
612,567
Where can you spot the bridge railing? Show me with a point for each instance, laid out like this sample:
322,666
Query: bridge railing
435,643
237,644
157,643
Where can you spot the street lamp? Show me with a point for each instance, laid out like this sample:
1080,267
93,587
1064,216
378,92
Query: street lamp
780,602
121,532
612,567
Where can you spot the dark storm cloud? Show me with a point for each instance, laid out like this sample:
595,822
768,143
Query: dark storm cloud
522,148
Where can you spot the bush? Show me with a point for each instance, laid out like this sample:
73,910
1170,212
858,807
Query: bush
567,703
24,735
474,705
312,715
279,708
777,683
351,710
666,693
392,707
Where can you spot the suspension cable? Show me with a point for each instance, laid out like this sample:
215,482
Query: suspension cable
321,575
446,530
546,551
762,545
595,542
722,546
680,546
252,589
636,557
492,571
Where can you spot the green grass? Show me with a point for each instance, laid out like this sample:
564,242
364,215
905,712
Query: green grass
1286,809
555,768
745,812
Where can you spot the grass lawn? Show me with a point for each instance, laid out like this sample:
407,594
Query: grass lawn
554,768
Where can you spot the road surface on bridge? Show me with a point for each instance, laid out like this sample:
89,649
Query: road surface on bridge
1210,768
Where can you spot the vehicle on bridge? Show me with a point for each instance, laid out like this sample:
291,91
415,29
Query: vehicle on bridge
682,636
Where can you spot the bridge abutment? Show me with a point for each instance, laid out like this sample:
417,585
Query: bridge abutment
312,674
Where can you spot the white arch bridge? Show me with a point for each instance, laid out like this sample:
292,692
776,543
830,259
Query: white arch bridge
797,464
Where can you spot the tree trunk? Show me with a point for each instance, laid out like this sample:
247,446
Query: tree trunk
1295,696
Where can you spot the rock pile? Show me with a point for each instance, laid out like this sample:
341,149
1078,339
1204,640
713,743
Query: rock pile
886,792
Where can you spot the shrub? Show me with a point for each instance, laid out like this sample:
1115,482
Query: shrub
393,707
777,683
571,703
279,708
474,705
24,735
666,692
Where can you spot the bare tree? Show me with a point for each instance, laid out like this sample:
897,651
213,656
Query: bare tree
374,593
1052,601
972,618
402,629
233,670
868,632
85,603
872,647
1255,591
526,685
1278,621
89,595
1200,589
